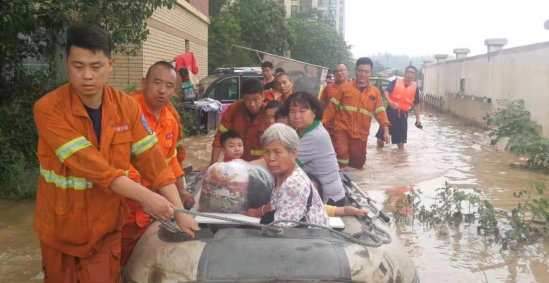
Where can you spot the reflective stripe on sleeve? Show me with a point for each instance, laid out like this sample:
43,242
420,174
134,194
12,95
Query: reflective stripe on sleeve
223,129
65,182
366,112
335,101
257,152
343,161
144,144
349,108
71,147
380,109
170,158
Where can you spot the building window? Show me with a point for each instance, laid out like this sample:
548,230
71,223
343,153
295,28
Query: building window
187,46
294,10
322,3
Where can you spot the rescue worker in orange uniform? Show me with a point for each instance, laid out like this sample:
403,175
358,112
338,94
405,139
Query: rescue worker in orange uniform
181,153
351,111
89,133
246,116
400,95
341,76
159,87
284,88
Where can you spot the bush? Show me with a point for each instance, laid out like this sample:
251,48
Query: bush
18,135
189,118
512,120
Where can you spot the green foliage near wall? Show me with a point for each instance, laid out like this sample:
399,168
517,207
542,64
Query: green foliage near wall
511,119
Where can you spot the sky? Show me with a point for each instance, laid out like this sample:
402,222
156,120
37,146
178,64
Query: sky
428,27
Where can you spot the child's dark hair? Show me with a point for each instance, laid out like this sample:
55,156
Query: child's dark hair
281,113
318,184
274,104
230,134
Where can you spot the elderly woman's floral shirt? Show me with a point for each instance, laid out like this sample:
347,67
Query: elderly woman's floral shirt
290,200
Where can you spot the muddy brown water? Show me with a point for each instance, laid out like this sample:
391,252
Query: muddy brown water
446,151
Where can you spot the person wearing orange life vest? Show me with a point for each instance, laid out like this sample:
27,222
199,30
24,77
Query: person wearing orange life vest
351,111
158,89
341,76
246,116
401,94
88,135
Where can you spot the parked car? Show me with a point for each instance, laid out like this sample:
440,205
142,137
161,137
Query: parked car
225,87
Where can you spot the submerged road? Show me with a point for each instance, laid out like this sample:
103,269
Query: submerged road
448,150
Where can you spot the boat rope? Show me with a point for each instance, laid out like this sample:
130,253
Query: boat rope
271,228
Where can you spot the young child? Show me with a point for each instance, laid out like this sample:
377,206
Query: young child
270,111
232,144
333,211
281,116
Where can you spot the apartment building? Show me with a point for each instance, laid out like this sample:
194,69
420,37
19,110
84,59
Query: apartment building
184,28
335,9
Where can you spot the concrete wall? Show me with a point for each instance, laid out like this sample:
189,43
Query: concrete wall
512,74
182,29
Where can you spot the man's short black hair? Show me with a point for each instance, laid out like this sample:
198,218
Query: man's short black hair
274,104
306,99
267,64
164,64
365,61
252,86
90,37
183,72
279,70
410,67
230,134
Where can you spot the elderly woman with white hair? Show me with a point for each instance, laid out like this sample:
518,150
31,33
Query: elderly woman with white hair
294,197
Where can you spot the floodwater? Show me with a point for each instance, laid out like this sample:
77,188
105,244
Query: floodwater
448,150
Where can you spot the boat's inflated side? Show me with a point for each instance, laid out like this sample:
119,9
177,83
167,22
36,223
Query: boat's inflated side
237,254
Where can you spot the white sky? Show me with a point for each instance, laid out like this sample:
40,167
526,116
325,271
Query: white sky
426,27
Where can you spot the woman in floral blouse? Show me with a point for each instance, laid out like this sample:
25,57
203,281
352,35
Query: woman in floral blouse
294,197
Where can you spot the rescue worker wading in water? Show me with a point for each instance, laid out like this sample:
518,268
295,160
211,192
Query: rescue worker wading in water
246,116
89,133
341,76
400,96
159,87
351,111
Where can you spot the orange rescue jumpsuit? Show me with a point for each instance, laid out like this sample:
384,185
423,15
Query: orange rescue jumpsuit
327,93
78,219
237,117
181,153
166,131
269,95
351,113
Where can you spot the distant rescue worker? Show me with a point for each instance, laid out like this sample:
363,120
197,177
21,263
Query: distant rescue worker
246,116
400,96
341,76
159,87
268,75
351,111
89,134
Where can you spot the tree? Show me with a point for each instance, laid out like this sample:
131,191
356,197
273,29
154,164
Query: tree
36,28
255,24
316,41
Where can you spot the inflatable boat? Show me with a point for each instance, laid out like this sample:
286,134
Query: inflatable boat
224,250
